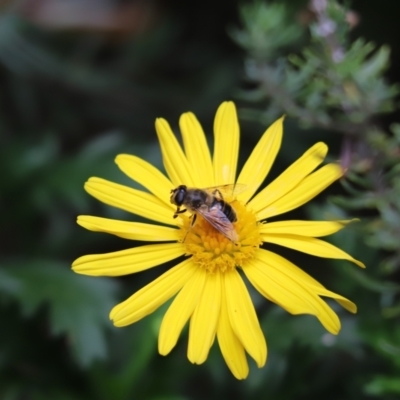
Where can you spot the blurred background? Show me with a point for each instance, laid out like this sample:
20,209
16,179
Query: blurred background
83,80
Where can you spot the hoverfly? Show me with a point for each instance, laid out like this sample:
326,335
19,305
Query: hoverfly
210,204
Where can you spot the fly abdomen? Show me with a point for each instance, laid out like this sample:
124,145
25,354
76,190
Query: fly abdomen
230,212
226,208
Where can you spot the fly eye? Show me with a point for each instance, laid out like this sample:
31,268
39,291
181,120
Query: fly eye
177,196
180,196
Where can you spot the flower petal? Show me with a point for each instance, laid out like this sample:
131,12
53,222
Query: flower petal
243,317
203,323
197,151
226,144
345,303
180,311
128,261
309,245
268,275
304,191
129,230
304,228
302,278
231,348
287,293
131,200
291,177
149,298
175,161
327,317
148,176
261,159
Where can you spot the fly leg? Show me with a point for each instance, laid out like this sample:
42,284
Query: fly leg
178,211
194,216
216,191
193,220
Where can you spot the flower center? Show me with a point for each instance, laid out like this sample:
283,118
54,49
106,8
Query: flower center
211,250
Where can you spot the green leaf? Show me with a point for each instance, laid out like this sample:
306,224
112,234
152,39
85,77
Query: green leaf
372,283
383,385
375,65
78,305
133,351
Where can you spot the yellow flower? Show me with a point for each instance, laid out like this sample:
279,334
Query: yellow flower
209,289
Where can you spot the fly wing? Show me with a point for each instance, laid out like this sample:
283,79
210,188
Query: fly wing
215,217
227,190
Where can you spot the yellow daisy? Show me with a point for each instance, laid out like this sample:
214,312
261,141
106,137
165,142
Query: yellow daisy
208,288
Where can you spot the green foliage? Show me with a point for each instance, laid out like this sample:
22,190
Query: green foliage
78,306
330,83
267,29
382,385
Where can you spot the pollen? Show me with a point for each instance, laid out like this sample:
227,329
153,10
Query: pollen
211,250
